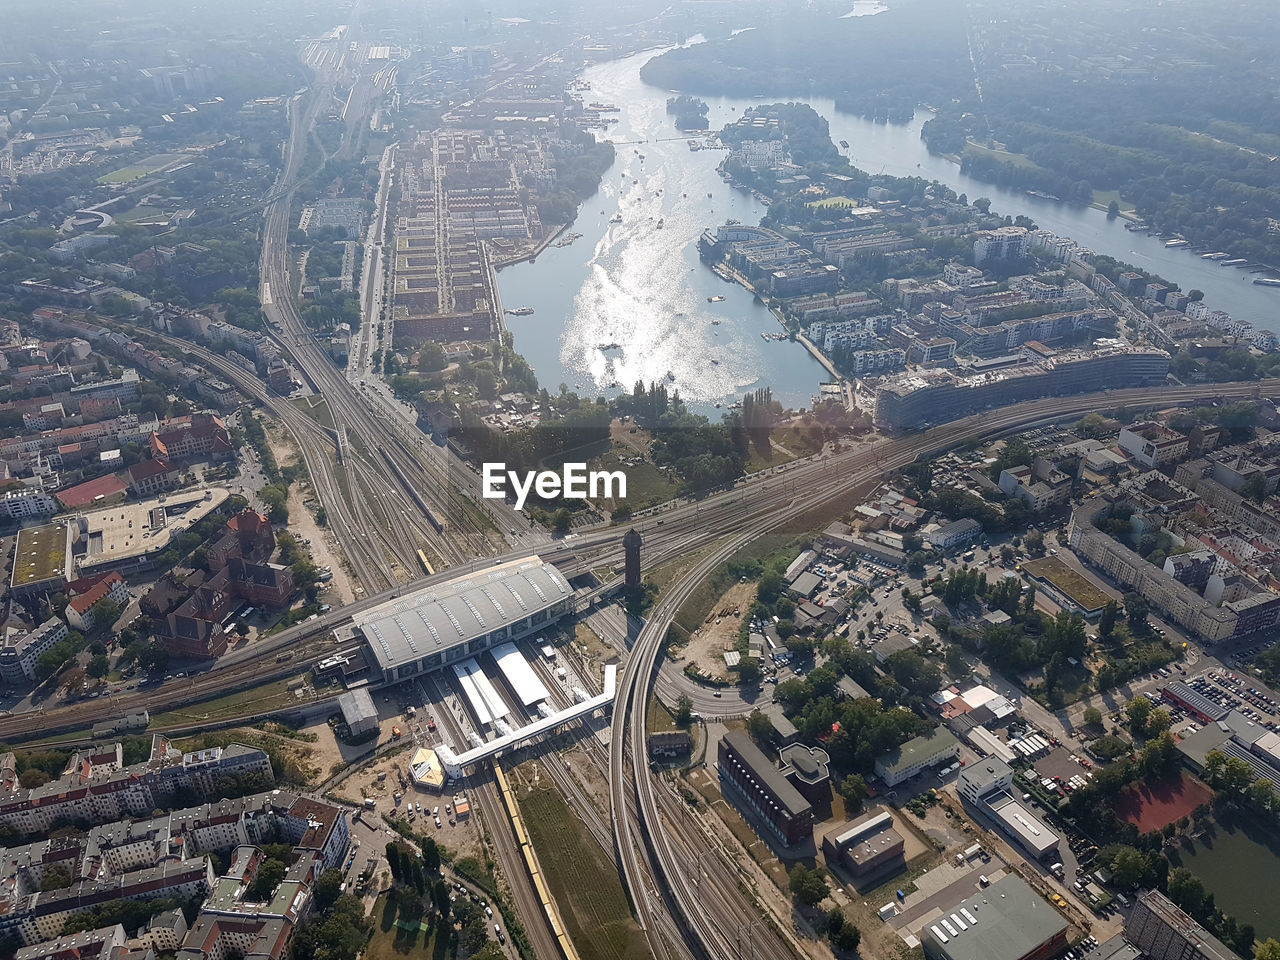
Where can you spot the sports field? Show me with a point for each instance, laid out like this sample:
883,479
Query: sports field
1149,806
140,169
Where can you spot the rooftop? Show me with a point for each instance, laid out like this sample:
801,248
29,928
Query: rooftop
917,749
130,531
770,776
445,615
1070,582
1006,921
41,553
1022,823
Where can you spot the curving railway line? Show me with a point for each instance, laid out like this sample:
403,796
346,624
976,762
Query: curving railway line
714,923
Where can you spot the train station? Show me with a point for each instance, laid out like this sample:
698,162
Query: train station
472,650
446,623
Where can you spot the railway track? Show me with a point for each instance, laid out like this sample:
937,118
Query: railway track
645,838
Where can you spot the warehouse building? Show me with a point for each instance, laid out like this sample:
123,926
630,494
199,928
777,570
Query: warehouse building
1194,702
864,845
445,623
748,776
985,784
1006,921
358,711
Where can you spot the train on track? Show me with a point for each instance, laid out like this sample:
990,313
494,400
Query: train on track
531,864
423,562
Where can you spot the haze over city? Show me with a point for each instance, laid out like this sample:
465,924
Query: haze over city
577,481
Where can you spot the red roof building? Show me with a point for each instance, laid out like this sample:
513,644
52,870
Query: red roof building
111,588
97,492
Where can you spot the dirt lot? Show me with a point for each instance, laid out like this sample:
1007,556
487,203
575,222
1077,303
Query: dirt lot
719,632
302,523
461,837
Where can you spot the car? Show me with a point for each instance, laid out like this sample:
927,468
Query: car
718,694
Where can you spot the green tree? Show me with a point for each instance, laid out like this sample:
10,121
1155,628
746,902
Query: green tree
848,937
561,520
1158,722
1107,622
105,614
853,790
98,667
32,778
56,877
684,711
809,887
1138,710
431,357
1093,716
270,873
1128,868
1268,949
1136,609
760,728
328,888
748,671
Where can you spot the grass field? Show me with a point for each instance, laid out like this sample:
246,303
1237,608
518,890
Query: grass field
827,202
646,484
317,408
397,934
271,696
1102,199
143,168
1001,154
583,881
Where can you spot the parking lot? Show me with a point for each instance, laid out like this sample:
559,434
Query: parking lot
1235,693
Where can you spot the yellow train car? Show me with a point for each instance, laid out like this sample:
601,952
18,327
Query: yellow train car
427,568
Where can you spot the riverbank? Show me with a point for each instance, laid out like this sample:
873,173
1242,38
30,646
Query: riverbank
545,242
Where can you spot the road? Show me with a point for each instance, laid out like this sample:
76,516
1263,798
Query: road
670,531
645,838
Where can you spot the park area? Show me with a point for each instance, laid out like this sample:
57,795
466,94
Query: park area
1150,806
142,168
402,932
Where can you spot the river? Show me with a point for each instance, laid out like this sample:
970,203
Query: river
628,300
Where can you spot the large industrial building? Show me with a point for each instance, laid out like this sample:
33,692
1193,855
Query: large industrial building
985,784
445,623
1006,921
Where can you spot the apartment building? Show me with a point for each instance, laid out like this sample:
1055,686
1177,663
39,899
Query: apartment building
20,653
1003,243
1153,445
96,788
1162,931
